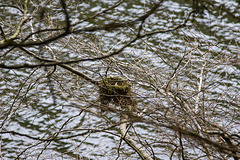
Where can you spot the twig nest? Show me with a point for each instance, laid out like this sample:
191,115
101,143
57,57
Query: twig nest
116,90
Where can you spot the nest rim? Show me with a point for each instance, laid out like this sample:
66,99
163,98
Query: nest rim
120,86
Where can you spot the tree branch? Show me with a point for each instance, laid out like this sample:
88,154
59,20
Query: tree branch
6,42
142,153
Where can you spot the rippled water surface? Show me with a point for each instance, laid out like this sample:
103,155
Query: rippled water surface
36,106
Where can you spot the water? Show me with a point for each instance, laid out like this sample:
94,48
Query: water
36,106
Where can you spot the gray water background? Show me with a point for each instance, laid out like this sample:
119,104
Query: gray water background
38,115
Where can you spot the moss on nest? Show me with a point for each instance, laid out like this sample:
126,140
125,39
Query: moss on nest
116,90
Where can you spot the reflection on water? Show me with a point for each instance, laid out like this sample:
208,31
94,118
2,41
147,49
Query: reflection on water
27,99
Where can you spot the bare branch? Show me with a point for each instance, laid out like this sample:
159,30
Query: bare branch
9,41
142,153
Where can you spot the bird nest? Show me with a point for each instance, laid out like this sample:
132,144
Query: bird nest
116,90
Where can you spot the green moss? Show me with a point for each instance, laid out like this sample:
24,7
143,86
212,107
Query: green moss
116,90
114,86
